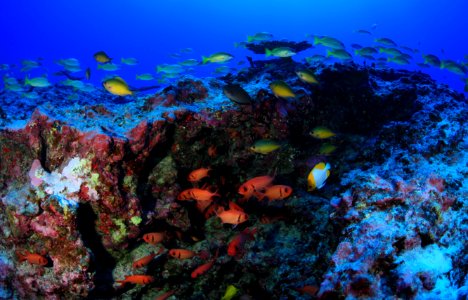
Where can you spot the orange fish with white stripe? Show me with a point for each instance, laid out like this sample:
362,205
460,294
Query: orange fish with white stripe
197,194
277,192
181,253
253,186
198,174
233,216
153,238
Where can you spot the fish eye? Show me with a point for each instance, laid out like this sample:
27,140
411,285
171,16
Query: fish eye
245,189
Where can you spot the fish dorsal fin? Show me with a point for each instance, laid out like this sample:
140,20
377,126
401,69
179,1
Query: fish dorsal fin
320,166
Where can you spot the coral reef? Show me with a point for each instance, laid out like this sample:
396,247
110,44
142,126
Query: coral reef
85,175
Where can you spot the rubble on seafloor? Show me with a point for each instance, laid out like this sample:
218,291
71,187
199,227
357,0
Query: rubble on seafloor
84,176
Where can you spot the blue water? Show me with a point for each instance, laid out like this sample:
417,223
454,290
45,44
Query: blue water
153,30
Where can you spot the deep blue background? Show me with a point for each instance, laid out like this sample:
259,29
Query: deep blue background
151,30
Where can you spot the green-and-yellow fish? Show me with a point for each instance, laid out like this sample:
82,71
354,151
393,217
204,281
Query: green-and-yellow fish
432,60
146,76
265,146
321,132
220,57
385,41
131,61
259,37
189,62
390,51
170,69
108,67
102,57
281,89
280,52
117,86
365,51
339,53
453,67
317,176
231,292
328,42
307,76
37,81
400,60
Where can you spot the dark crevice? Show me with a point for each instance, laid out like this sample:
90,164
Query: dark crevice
158,153
43,151
102,263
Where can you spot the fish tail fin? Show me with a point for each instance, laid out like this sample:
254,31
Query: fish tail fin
236,44
356,52
250,39
329,53
316,40
268,52
381,49
205,60
26,80
99,66
21,256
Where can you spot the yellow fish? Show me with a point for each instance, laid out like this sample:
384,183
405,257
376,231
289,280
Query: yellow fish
102,57
281,89
231,292
220,57
317,176
265,146
321,132
307,76
117,86
327,149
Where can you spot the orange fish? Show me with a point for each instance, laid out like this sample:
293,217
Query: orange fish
198,174
212,151
153,237
197,194
276,192
165,295
32,258
137,279
252,186
181,253
233,216
237,243
144,261
204,268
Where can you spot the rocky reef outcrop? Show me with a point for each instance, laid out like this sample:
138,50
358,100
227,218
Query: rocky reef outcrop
84,176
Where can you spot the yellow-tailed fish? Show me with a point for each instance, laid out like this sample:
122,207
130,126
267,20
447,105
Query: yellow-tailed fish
339,53
317,176
220,57
281,89
400,60
258,37
328,42
37,81
307,76
321,132
145,76
231,292
131,61
108,67
265,146
117,86
102,57
169,69
280,52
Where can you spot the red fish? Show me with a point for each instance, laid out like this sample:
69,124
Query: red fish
32,258
197,194
253,186
165,295
153,237
198,174
137,279
236,245
276,192
181,253
145,260
204,268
